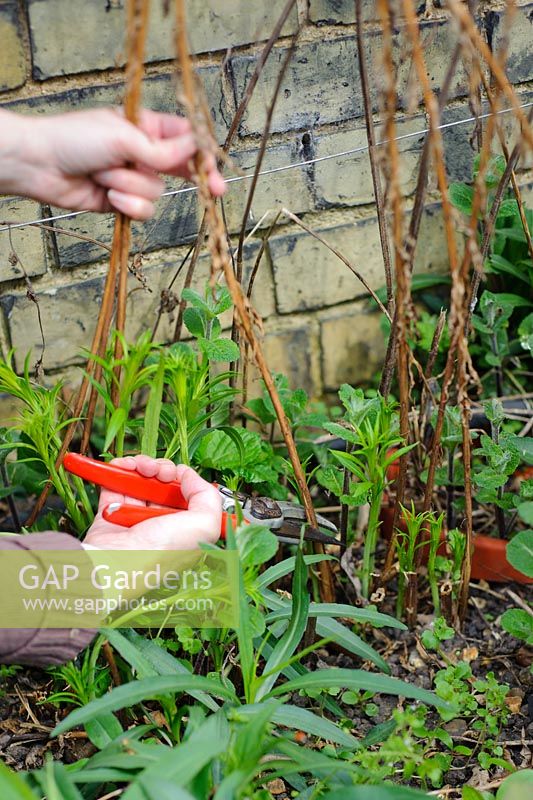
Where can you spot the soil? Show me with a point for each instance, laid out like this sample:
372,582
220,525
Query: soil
26,722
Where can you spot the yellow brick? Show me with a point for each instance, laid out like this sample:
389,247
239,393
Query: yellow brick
12,58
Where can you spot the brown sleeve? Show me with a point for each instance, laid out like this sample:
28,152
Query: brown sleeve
41,647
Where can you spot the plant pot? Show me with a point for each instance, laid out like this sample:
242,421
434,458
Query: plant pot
489,562
489,559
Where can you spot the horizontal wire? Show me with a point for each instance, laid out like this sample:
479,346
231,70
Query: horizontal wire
284,168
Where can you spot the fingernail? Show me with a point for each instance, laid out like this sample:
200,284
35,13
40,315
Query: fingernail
119,200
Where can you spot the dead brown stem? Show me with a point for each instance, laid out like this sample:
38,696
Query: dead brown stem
376,177
480,46
414,224
137,18
221,261
402,272
257,169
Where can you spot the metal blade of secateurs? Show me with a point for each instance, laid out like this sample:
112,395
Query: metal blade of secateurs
290,533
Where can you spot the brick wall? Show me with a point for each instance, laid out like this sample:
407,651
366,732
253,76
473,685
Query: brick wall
65,54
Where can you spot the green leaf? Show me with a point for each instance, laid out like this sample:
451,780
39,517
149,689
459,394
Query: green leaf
382,792
358,493
219,349
461,196
379,733
117,421
194,321
135,692
342,432
526,489
152,415
257,544
499,264
331,478
525,332
147,658
519,623
224,301
334,630
245,630
157,788
469,793
277,571
103,729
362,615
506,300
513,234
12,787
196,300
520,552
517,786
358,679
525,512
182,763
524,445
508,208
297,718
286,646
58,783
229,449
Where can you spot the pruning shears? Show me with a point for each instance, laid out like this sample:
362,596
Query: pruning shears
284,519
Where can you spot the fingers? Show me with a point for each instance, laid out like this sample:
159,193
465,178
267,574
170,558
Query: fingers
163,126
131,205
131,181
184,530
161,468
169,147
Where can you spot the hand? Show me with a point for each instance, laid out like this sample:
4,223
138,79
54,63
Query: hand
183,530
97,160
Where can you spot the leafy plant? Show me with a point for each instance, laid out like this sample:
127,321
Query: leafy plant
501,319
481,701
234,749
36,436
84,682
518,621
118,395
370,428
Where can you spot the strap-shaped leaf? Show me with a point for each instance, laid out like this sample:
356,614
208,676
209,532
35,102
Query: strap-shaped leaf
147,658
181,764
363,615
277,571
329,628
292,637
135,692
358,679
302,719
12,787
381,792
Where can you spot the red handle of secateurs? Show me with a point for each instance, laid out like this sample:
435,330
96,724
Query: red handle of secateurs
132,484
125,481
127,516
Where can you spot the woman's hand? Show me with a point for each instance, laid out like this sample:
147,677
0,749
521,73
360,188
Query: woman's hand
97,160
183,530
